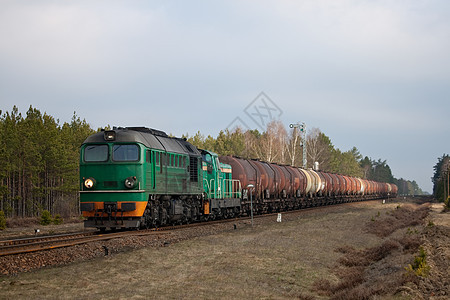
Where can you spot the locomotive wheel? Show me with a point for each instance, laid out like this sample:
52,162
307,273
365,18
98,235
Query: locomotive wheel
163,216
148,222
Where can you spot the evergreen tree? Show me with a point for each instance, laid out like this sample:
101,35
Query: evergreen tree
441,177
345,163
382,172
367,167
39,163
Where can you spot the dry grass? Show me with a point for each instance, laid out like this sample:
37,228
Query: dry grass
294,259
401,217
379,270
33,222
357,258
21,222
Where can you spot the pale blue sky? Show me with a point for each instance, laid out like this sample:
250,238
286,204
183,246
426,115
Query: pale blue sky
370,74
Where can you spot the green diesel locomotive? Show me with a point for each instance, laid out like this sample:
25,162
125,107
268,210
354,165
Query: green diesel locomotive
137,177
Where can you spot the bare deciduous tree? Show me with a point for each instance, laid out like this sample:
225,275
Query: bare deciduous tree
291,147
319,148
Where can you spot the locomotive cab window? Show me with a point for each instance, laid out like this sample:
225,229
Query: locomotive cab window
96,153
207,157
125,153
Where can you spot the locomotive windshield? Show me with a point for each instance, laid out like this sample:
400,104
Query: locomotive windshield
125,153
96,153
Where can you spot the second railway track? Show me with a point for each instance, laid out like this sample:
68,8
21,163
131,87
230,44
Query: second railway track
26,245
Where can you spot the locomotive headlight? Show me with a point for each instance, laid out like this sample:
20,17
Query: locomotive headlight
89,183
130,182
109,135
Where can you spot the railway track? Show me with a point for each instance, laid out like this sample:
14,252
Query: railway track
34,244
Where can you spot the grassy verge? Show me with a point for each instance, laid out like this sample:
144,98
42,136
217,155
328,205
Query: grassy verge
322,254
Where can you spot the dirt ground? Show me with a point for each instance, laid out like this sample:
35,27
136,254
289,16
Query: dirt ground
357,251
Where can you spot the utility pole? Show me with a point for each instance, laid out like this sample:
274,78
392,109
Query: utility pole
448,186
250,187
446,180
445,185
302,127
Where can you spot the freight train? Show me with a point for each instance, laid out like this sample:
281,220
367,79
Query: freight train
136,177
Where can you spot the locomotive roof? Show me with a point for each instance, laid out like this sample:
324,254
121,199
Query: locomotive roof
151,138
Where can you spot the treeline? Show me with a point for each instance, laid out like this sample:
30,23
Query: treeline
281,146
39,159
39,163
408,187
441,179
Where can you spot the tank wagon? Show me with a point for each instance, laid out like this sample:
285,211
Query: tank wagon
136,177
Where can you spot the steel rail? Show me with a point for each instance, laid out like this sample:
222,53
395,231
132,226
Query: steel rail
66,240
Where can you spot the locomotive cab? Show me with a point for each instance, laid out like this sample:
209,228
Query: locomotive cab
112,176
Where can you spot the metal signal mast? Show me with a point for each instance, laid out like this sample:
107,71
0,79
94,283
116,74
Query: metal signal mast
302,127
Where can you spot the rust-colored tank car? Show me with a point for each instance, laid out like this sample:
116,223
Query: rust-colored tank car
273,181
269,180
265,184
336,184
394,189
243,171
348,185
288,190
354,190
299,183
280,180
329,187
342,185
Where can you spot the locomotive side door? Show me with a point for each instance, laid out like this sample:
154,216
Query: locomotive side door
151,169
156,170
151,162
